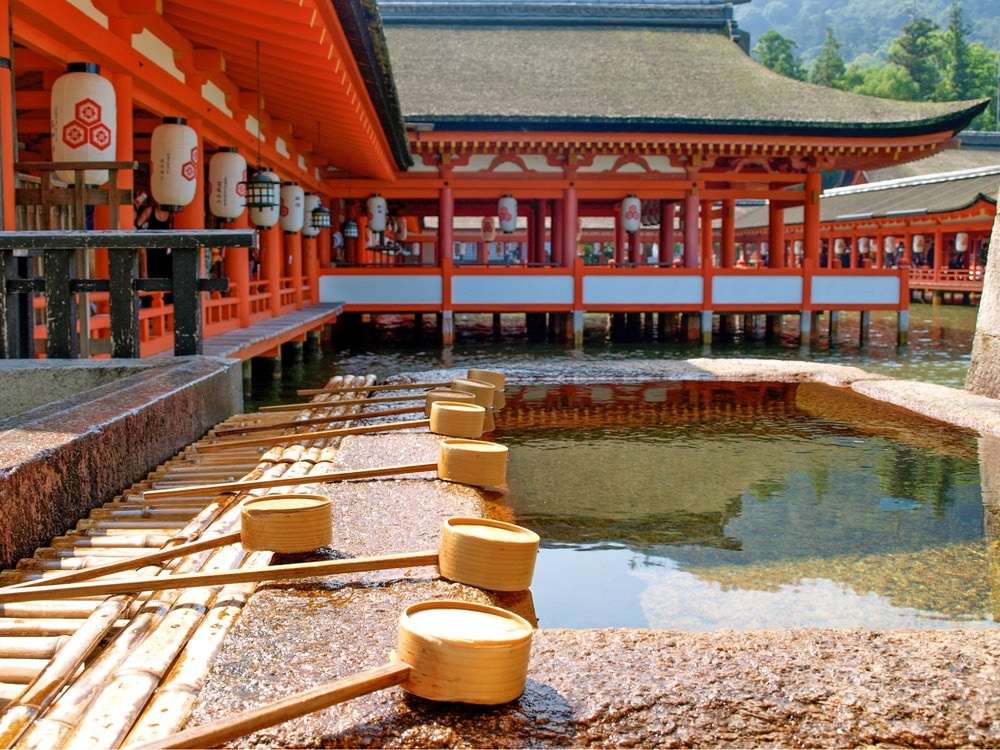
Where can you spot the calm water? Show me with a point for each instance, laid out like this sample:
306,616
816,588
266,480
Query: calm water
940,344
749,510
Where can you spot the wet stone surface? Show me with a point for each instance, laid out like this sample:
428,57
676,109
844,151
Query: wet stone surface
621,688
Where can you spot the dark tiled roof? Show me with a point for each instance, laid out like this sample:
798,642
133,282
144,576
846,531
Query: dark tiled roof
932,194
638,79
951,160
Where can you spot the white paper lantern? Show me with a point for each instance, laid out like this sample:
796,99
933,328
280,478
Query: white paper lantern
863,245
312,202
507,213
378,213
799,248
227,174
919,243
839,246
889,244
961,242
84,120
173,177
489,229
631,214
262,215
293,200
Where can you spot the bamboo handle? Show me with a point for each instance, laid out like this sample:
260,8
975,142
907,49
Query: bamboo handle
304,405
369,388
318,420
220,578
131,563
295,705
257,484
226,445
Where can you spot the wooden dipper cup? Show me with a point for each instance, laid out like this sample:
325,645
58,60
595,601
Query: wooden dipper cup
447,394
497,379
446,418
488,554
474,462
485,393
398,386
446,650
286,523
475,551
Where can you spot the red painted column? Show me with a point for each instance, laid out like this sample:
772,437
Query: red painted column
707,235
668,213
293,251
879,251
538,232
446,241
558,232
729,233
620,236
776,235
939,252
236,264
310,257
635,248
570,213
324,248
691,234
271,265
8,146
811,223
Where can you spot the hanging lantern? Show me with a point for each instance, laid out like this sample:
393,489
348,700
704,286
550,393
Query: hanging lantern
839,246
863,245
227,174
350,229
507,213
83,120
318,216
263,197
799,248
173,176
292,207
489,229
631,214
889,244
961,242
378,213
918,243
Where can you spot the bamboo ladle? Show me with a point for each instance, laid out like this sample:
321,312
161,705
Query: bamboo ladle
430,398
447,418
469,385
446,650
489,376
475,462
479,552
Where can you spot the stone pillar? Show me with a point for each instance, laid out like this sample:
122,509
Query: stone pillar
866,322
447,328
984,373
578,320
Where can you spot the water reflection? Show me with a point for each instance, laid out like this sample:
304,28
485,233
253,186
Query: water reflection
752,510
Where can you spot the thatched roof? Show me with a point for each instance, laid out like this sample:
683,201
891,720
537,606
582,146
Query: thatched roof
933,194
613,78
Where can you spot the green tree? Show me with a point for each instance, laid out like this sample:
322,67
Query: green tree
984,70
828,69
957,82
779,54
888,81
917,50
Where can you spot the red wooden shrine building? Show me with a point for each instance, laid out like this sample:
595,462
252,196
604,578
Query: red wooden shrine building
476,156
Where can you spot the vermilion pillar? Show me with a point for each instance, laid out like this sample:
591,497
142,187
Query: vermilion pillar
311,262
691,244
446,240
707,236
776,235
620,236
538,232
293,251
236,264
811,222
8,149
324,248
939,259
271,265
728,233
635,248
570,212
668,212
558,232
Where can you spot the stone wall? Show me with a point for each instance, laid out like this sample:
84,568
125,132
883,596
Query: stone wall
984,374
60,460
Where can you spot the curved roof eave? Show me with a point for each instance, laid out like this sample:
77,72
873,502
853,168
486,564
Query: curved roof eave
953,122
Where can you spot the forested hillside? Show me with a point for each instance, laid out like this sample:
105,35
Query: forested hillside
862,26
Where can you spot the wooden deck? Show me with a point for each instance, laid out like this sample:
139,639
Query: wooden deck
268,334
